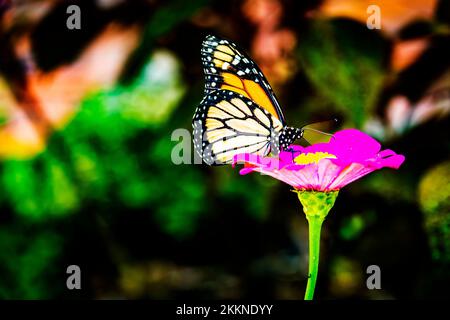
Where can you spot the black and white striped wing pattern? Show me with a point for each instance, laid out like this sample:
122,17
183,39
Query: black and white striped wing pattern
227,123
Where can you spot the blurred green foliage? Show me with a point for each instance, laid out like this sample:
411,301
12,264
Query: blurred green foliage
352,227
345,63
92,158
27,263
434,198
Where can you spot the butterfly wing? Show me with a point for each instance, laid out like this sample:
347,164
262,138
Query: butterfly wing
227,123
227,67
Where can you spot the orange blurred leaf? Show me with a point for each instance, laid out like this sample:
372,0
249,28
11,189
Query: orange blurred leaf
59,92
394,14
405,53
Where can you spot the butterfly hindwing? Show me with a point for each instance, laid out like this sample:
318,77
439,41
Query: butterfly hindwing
227,67
227,123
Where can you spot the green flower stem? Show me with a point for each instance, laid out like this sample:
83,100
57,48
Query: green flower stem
316,205
315,225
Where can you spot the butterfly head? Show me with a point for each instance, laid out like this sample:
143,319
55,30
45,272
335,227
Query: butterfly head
288,135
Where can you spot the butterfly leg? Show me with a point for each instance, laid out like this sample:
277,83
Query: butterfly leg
292,151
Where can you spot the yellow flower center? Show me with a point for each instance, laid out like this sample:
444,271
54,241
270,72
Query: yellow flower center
315,157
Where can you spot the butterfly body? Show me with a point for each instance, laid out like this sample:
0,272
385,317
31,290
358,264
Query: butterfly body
288,136
239,113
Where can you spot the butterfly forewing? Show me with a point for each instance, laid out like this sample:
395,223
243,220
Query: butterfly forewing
227,123
227,67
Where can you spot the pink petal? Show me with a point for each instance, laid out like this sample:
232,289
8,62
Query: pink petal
350,174
394,161
328,171
352,145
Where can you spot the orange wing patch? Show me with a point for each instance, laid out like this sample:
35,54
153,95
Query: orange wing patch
258,95
233,83
232,80
248,89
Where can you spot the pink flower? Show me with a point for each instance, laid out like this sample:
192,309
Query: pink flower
350,155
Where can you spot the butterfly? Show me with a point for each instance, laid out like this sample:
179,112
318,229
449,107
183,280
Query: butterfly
239,112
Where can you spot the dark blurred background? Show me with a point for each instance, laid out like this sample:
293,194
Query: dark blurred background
86,176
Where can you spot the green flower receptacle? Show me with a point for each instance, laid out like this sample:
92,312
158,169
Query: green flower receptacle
317,203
